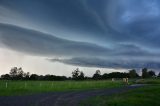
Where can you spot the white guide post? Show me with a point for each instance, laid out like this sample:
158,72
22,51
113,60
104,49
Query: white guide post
6,85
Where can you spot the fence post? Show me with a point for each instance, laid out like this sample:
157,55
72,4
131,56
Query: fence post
40,84
6,85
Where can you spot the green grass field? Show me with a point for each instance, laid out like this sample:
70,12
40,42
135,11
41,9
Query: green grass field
31,87
148,95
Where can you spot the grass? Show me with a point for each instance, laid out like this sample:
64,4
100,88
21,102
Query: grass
31,87
148,95
148,81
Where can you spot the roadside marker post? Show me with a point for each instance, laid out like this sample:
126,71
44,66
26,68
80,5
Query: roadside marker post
52,84
6,85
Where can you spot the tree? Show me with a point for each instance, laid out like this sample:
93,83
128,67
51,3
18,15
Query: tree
20,73
34,77
118,75
105,76
145,73
97,75
151,73
26,76
16,73
75,74
13,72
78,75
81,76
133,74
5,77
159,74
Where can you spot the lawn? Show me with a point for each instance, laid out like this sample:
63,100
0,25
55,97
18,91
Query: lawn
149,95
31,87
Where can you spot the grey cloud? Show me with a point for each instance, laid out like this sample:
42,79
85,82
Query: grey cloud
126,29
70,15
92,20
34,42
38,43
131,50
135,22
31,40
110,63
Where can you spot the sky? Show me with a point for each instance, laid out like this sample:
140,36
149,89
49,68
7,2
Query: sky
57,36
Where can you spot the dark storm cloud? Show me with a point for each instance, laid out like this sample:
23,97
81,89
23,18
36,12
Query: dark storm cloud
26,40
108,31
135,21
109,63
109,21
70,15
34,42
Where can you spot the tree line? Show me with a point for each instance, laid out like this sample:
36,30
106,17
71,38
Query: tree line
79,75
18,74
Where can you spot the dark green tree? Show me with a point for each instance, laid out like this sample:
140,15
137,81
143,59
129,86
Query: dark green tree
5,77
118,75
81,76
34,77
16,73
26,75
20,73
133,73
151,73
145,73
159,74
105,76
13,72
75,74
97,75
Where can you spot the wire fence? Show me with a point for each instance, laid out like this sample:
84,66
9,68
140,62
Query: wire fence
56,84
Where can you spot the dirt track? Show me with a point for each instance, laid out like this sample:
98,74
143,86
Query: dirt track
59,98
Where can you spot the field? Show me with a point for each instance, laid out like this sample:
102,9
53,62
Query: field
84,93
8,88
149,95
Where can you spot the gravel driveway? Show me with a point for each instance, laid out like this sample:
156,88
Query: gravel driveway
71,98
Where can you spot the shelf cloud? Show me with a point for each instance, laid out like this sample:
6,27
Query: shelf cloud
88,33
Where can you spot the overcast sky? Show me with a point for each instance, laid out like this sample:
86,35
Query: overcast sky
56,36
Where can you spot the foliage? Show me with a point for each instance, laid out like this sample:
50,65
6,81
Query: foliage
78,75
151,73
147,74
133,74
97,75
159,74
18,74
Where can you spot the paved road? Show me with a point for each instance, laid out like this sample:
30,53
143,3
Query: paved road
59,98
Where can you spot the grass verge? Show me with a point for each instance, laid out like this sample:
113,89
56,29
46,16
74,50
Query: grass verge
148,95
